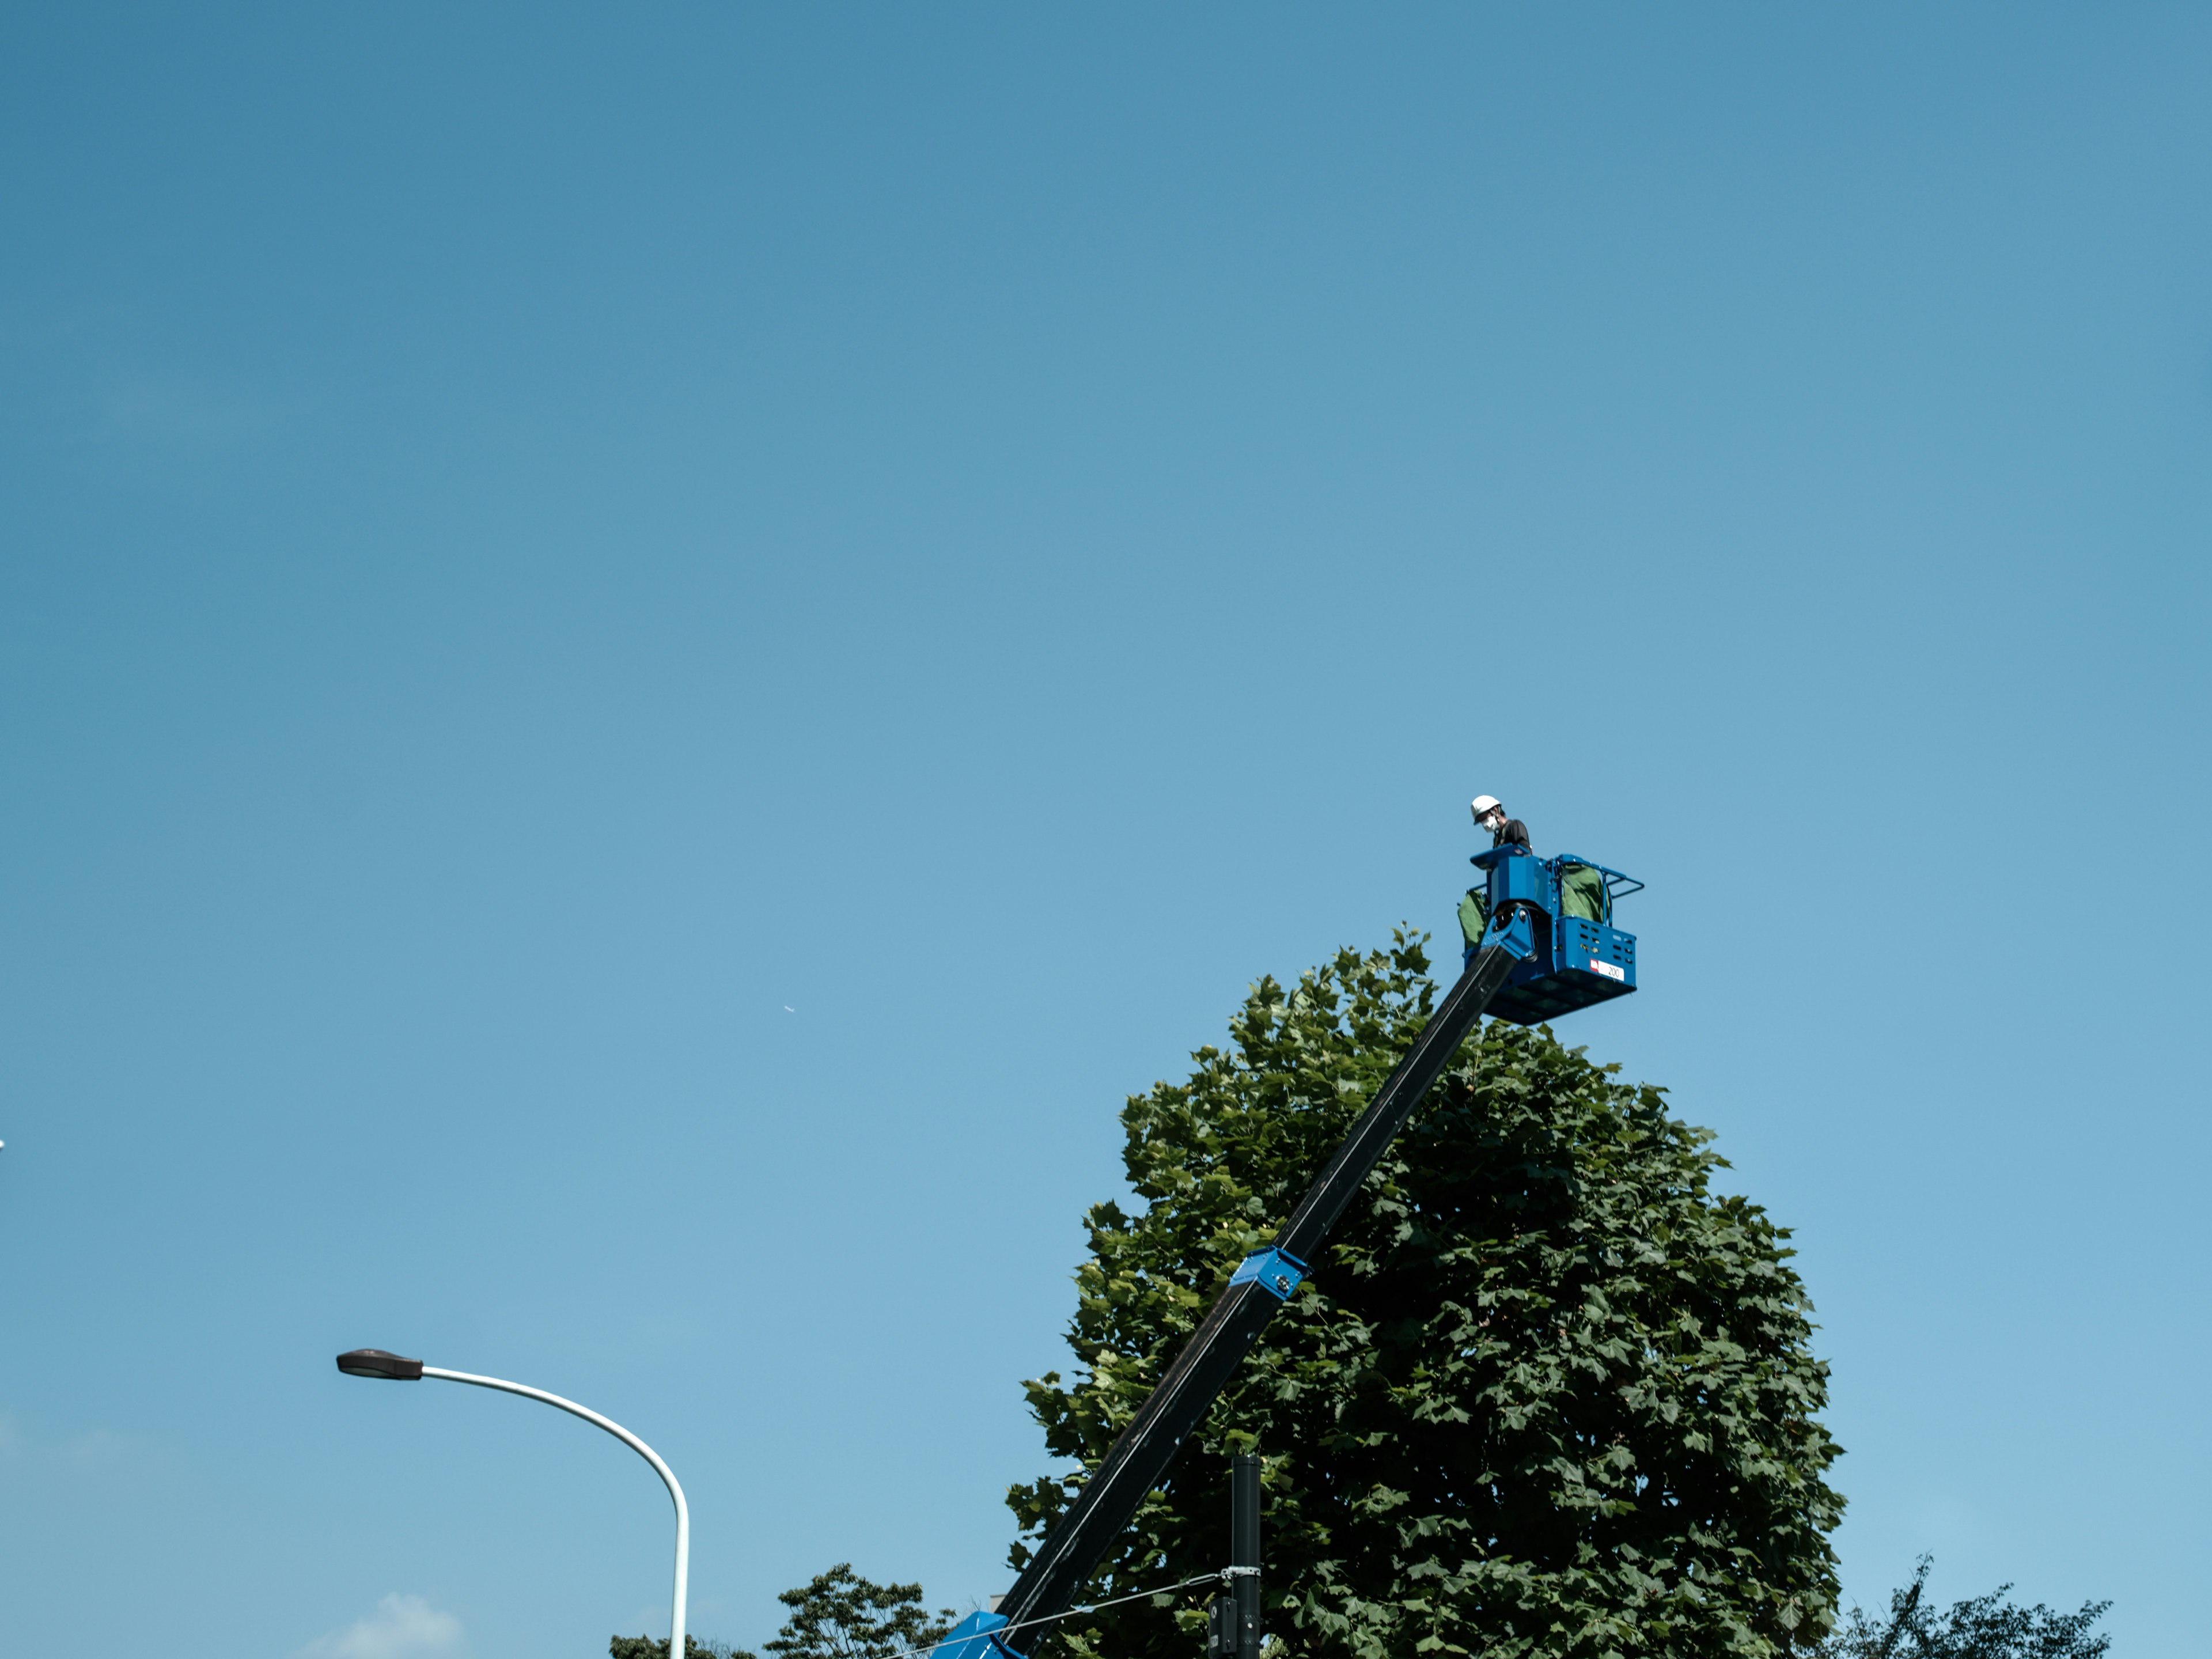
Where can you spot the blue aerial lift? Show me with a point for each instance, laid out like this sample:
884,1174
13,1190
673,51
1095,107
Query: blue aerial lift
1548,948
1576,956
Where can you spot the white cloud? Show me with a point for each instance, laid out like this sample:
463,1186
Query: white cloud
401,1627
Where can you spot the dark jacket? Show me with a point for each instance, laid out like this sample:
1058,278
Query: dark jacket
1474,908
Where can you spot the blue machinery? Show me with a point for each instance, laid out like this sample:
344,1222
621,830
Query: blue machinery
1548,947
1559,912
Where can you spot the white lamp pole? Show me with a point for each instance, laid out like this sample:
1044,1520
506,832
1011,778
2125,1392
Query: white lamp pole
375,1362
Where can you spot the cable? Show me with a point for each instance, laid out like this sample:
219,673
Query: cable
1051,1618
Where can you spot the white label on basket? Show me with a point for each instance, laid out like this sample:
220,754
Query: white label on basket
1609,971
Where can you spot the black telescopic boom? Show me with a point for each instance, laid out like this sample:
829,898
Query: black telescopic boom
1137,1459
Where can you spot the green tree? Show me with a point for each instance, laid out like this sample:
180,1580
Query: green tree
836,1615
840,1615
650,1647
1547,1393
1986,1627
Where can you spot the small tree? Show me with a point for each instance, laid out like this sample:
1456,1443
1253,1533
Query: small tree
1546,1393
836,1615
649,1647
1987,1627
840,1615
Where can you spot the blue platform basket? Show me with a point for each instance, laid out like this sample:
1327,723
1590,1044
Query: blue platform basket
1577,961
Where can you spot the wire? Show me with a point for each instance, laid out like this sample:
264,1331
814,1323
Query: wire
1051,1618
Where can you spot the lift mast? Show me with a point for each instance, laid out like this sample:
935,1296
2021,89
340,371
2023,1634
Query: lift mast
1528,933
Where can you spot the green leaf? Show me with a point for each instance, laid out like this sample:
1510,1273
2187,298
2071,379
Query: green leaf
1546,1393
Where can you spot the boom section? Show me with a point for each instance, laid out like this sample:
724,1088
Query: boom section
1056,1575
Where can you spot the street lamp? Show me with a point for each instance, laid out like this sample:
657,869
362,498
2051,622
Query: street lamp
396,1368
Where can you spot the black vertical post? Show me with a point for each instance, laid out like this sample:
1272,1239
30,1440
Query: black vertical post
1244,1550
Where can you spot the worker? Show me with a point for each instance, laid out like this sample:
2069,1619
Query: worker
1474,908
1490,815
1583,893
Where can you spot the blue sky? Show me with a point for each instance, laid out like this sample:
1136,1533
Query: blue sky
649,657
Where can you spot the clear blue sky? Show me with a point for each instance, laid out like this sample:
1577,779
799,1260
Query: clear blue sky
650,654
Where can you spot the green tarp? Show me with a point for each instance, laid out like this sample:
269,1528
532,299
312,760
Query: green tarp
1582,893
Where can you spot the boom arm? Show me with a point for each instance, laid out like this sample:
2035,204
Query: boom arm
1137,1459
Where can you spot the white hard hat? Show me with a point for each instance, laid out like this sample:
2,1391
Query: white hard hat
1485,804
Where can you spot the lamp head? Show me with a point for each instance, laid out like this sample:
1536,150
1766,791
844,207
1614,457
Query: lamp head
374,1362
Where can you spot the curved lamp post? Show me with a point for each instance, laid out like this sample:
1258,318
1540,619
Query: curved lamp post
394,1368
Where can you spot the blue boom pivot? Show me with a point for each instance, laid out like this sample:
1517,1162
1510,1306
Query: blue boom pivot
1525,931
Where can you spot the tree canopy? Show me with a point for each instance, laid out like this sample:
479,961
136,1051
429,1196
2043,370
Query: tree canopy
836,1615
1547,1393
1991,1627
